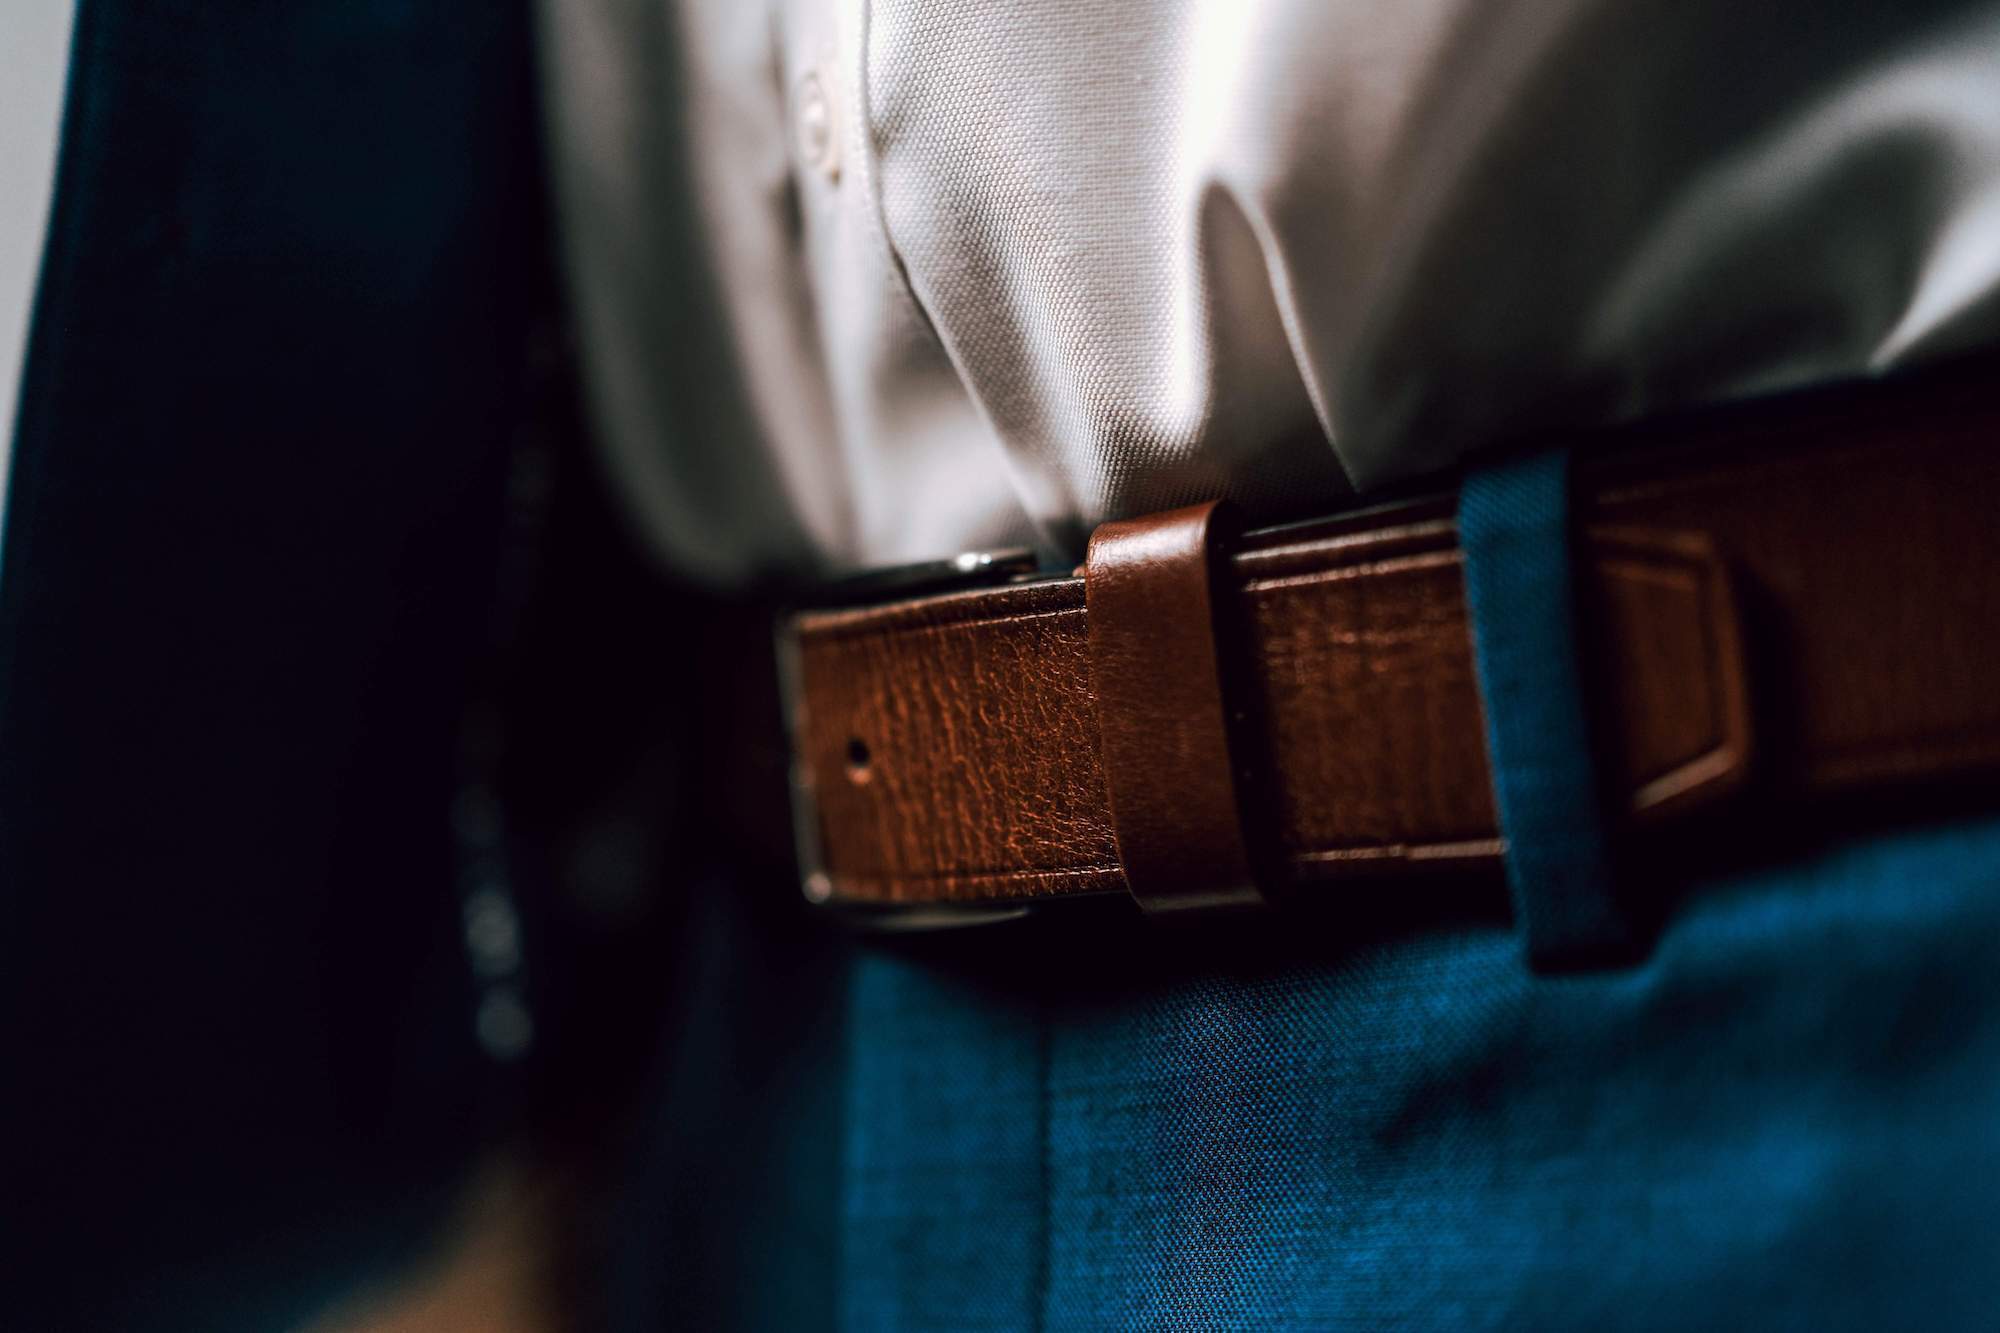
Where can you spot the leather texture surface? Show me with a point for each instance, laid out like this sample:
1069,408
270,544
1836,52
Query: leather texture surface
1825,565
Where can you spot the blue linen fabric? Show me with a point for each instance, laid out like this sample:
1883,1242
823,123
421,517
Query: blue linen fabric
1784,1116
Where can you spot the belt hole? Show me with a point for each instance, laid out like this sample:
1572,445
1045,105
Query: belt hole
858,759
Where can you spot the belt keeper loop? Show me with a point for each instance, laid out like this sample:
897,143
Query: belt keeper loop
1153,589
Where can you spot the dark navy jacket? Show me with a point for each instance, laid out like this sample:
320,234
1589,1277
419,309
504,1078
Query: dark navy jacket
251,539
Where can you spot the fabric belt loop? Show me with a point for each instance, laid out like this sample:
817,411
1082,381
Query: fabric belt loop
1514,526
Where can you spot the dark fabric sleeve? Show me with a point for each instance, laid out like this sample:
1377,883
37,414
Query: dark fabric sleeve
247,561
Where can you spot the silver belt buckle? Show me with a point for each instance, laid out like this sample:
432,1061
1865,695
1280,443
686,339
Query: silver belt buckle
973,569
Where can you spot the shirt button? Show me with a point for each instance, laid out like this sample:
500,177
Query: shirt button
818,142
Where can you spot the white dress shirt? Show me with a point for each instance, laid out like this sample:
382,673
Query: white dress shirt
876,280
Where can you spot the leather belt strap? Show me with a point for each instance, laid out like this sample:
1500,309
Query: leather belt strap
1779,603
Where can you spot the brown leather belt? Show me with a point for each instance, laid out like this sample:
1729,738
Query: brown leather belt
1779,603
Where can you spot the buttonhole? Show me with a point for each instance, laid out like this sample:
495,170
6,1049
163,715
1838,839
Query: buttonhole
857,759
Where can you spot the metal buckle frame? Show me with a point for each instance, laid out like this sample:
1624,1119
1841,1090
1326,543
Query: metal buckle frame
973,569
